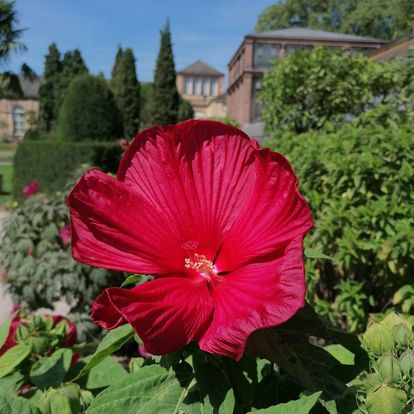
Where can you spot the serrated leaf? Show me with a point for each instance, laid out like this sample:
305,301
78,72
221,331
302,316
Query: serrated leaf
51,371
105,374
386,400
9,404
110,343
150,390
4,331
12,358
301,406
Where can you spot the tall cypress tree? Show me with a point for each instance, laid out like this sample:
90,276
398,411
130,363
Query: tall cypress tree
48,92
126,89
166,99
72,65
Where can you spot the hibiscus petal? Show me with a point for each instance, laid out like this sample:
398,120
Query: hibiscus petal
166,313
256,296
115,228
275,213
198,173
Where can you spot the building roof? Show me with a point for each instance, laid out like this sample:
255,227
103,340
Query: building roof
399,47
200,68
311,34
30,87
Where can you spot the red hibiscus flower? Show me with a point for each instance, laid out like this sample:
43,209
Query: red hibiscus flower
31,189
218,221
65,234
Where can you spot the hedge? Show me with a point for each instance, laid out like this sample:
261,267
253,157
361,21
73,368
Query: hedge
51,163
359,185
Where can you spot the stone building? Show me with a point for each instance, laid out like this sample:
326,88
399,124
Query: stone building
257,53
203,86
18,113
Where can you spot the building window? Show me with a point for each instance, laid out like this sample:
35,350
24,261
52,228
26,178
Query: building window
188,85
18,121
265,54
214,87
197,86
255,108
206,87
293,48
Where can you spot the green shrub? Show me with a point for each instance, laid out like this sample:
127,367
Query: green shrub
36,256
359,184
51,162
89,111
311,88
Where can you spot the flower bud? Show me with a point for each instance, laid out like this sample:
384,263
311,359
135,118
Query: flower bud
378,339
389,368
39,345
407,362
402,335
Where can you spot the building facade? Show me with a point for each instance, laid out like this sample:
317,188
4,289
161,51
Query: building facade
258,52
17,114
203,86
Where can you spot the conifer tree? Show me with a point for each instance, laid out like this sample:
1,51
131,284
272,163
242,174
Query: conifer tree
72,65
166,99
126,89
48,92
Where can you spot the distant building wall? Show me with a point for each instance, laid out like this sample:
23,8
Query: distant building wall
15,117
257,54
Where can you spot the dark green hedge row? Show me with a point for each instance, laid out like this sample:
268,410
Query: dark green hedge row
51,163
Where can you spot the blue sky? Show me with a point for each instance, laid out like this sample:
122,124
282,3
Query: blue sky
208,30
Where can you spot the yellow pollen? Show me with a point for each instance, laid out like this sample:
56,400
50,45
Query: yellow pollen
200,264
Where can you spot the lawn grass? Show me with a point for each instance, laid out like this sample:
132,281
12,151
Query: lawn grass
6,170
7,151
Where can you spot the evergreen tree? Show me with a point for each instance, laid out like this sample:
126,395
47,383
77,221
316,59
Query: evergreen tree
126,89
89,111
48,91
166,99
72,65
146,105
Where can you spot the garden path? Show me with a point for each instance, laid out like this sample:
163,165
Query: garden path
6,303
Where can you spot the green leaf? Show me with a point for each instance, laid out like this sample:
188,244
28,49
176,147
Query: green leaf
51,371
339,352
386,400
150,390
301,406
10,404
314,254
111,342
64,400
215,390
11,382
105,374
12,358
131,279
4,331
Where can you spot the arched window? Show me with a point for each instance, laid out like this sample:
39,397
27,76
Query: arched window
18,121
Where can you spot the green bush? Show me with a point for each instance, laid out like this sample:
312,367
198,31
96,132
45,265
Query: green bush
89,111
311,88
359,183
51,162
36,256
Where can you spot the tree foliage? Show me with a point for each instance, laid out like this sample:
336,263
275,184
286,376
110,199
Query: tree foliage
89,111
185,110
9,33
384,19
49,90
165,96
310,88
126,88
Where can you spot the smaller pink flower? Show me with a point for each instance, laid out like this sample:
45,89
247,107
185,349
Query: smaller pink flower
31,189
123,143
65,234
